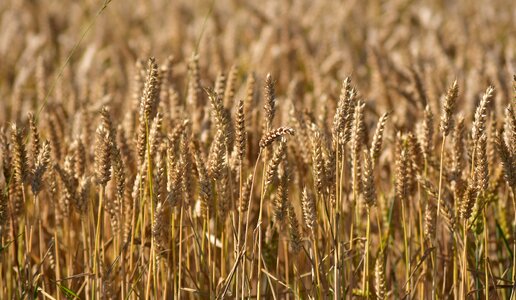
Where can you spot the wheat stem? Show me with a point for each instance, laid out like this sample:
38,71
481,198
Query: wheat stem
259,227
365,279
98,239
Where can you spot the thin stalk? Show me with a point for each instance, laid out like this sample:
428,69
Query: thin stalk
180,252
341,198
478,285
28,250
96,254
239,231
439,193
365,279
440,182
353,203
464,261
223,249
208,245
41,241
150,270
422,240
214,265
68,244
287,270
352,216
27,237
247,219
133,229
513,277
409,249
151,200
405,244
87,251
336,234
197,247
316,261
486,254
174,271
58,272
455,273
380,233
259,226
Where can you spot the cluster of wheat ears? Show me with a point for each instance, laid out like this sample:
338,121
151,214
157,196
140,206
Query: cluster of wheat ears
285,151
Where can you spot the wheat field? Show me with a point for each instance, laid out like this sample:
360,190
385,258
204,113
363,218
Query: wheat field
271,150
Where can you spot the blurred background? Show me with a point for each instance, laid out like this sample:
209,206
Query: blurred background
314,42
